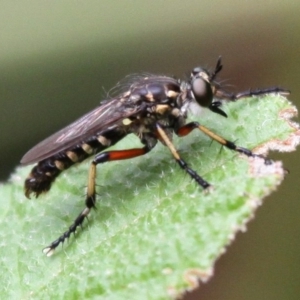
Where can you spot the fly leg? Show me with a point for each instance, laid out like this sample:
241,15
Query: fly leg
91,193
257,92
186,129
220,94
183,165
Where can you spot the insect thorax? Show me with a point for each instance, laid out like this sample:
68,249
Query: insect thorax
161,100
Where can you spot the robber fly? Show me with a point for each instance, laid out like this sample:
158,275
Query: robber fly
152,107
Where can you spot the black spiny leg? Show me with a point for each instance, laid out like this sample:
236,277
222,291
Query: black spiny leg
186,129
258,92
91,194
183,165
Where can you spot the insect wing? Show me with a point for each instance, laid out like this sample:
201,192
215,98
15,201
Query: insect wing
99,119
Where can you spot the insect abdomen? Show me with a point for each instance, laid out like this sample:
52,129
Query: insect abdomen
44,173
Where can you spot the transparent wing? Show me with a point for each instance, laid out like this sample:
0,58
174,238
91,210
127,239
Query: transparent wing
99,119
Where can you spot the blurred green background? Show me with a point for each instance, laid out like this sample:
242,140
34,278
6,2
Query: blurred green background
58,59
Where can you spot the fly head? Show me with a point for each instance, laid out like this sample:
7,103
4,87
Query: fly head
203,88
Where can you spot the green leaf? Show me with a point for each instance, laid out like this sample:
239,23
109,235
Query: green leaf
155,232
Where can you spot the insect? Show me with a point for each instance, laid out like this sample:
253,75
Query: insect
152,107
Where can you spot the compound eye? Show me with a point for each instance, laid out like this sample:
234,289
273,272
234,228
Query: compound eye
202,91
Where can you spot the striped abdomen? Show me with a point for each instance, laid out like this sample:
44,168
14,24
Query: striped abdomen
44,173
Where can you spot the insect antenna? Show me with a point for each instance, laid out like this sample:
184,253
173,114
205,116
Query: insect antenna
218,68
